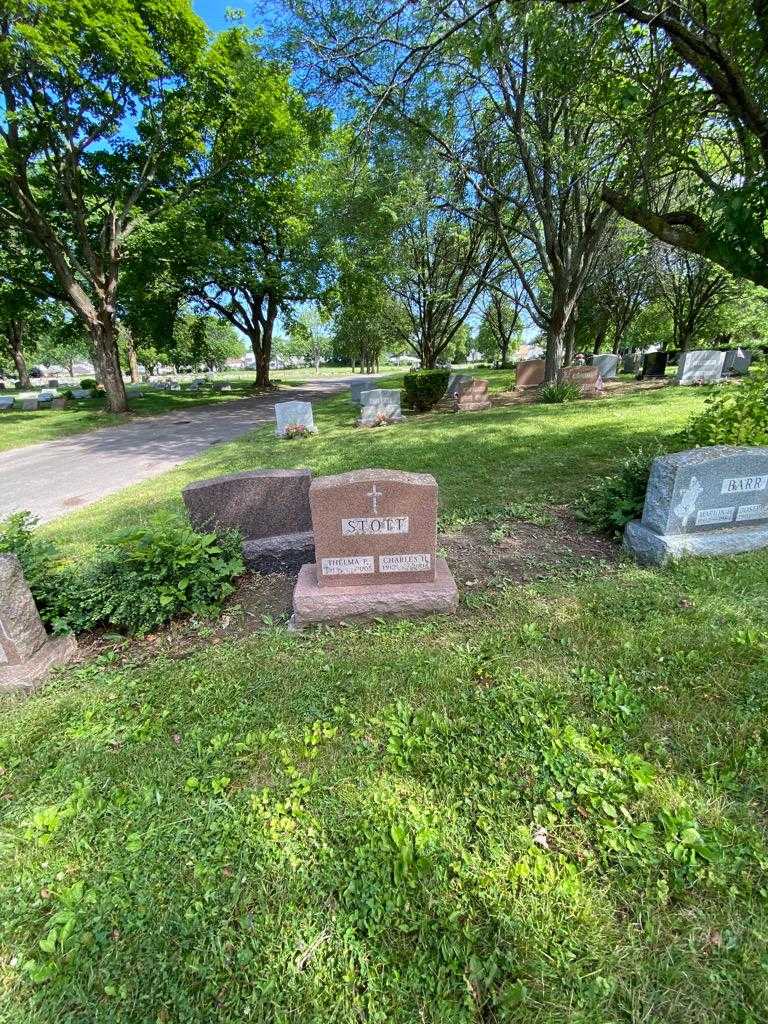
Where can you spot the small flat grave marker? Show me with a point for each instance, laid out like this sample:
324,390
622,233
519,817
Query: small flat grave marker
709,501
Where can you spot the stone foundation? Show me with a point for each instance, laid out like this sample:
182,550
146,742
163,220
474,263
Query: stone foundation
313,604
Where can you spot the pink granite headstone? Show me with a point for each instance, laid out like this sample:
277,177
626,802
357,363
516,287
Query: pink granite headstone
530,373
376,549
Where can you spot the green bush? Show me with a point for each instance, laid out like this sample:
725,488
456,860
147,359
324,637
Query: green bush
614,500
735,414
424,388
139,578
88,382
556,394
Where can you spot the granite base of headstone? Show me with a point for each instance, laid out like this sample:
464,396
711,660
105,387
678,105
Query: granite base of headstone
270,508
607,364
379,407
27,653
530,373
294,416
708,501
654,365
702,366
375,550
586,378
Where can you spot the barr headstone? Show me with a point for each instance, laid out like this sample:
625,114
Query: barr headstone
607,364
654,365
26,652
357,387
708,501
293,414
586,378
270,508
382,405
375,549
703,366
530,373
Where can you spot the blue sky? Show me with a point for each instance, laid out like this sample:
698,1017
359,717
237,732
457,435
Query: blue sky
212,11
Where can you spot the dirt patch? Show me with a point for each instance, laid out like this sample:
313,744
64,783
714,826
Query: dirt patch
613,389
481,555
520,551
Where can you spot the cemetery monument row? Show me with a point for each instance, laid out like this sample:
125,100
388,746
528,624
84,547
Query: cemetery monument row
375,549
708,501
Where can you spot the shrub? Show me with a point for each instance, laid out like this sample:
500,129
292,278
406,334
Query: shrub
735,414
566,391
614,500
424,388
88,382
139,578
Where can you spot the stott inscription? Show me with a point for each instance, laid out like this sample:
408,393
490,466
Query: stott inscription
405,563
743,484
371,526
352,565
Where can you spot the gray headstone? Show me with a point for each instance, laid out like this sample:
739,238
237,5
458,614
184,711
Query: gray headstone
26,653
6,403
381,403
81,392
47,394
709,501
270,508
700,366
53,383
357,387
174,387
737,360
607,363
632,362
29,404
293,413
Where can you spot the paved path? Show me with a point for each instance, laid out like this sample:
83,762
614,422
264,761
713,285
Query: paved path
55,477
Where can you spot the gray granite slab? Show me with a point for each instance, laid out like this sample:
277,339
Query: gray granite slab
705,501
607,363
288,414
700,366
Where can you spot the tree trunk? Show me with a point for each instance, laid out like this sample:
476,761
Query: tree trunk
133,361
15,339
107,359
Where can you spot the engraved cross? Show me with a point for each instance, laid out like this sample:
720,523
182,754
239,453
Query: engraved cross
374,495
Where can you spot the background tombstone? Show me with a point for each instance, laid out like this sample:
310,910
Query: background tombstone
471,396
607,364
632,362
6,403
530,373
586,378
270,508
357,387
376,549
289,414
381,403
53,383
82,392
737,361
29,404
701,365
709,501
654,365
26,653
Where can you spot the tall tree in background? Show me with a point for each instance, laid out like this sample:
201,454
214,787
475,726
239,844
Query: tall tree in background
692,289
108,112
501,327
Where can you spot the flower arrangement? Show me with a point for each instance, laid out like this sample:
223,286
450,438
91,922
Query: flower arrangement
296,430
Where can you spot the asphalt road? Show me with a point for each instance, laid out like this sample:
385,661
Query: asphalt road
55,477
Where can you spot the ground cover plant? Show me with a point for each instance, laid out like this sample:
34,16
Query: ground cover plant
545,809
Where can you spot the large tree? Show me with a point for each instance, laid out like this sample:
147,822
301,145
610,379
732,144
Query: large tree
106,113
719,90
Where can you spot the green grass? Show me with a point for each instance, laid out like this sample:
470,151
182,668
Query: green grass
547,809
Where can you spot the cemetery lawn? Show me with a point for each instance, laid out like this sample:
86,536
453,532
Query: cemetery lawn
549,808
19,429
